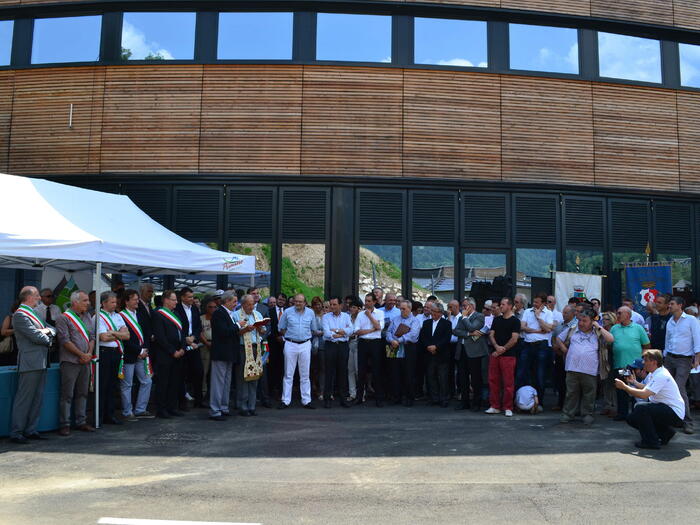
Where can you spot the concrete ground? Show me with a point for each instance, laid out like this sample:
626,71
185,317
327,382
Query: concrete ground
361,465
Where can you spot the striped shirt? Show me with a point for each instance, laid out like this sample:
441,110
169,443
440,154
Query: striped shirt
583,352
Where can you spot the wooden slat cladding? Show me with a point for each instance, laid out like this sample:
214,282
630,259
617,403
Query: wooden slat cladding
251,119
651,11
689,140
41,140
351,121
151,119
452,125
636,137
476,3
686,13
572,7
547,130
7,84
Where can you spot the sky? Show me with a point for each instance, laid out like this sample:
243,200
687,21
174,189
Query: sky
450,42
6,27
66,39
255,36
629,57
357,38
690,65
540,48
170,35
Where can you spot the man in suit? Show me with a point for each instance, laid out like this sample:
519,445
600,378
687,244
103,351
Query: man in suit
276,341
434,340
169,345
193,370
225,344
261,307
33,340
470,352
144,313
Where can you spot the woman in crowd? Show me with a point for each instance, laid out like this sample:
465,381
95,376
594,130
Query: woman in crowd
8,348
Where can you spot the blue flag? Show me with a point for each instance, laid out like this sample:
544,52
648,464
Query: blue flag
644,283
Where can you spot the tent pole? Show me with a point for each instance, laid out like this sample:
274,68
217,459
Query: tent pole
97,285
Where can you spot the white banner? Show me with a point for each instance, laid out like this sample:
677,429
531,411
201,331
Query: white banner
580,285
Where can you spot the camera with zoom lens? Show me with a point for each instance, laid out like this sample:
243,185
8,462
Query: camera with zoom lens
624,372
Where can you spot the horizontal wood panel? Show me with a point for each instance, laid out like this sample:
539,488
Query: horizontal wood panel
572,7
251,119
636,137
351,121
687,13
151,119
651,11
452,125
689,140
547,130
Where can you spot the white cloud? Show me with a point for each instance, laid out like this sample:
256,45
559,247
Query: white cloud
690,65
462,62
628,57
134,40
386,59
572,57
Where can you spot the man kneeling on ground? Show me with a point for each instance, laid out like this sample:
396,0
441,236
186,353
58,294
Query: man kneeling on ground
654,420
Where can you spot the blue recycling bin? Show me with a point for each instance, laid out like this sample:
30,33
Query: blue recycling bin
48,419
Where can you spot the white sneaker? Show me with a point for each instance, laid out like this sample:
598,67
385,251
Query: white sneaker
492,410
509,413
188,396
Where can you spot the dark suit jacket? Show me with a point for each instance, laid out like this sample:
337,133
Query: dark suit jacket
132,346
225,341
144,316
167,339
441,337
465,326
263,309
196,320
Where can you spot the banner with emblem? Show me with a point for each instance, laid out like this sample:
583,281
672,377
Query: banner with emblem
577,285
646,282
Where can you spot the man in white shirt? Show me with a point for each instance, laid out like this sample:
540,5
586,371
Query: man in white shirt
664,412
368,327
337,329
537,323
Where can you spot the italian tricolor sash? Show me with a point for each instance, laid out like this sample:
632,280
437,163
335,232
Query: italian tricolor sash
131,321
108,321
28,311
77,322
170,316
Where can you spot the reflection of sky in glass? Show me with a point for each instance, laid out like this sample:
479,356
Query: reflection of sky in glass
629,57
6,27
166,35
356,38
69,39
450,42
690,65
255,36
542,48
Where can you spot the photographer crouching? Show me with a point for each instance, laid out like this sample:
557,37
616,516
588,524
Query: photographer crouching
656,419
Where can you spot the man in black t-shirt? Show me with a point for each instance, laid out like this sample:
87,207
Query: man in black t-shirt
657,322
504,334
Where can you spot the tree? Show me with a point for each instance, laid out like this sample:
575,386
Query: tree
126,53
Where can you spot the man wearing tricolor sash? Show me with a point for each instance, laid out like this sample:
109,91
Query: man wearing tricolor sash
33,340
136,361
113,333
169,345
249,368
76,341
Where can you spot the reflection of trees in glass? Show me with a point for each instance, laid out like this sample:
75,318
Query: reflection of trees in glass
619,258
681,267
126,53
154,56
391,254
380,265
432,256
484,260
590,261
536,262
303,269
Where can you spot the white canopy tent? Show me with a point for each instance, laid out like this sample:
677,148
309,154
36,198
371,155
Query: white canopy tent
45,224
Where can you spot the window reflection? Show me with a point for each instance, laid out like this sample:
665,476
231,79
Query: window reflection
542,48
158,36
6,27
690,65
433,273
304,270
255,36
356,38
629,57
380,265
681,270
584,261
480,269
263,263
68,39
450,42
534,270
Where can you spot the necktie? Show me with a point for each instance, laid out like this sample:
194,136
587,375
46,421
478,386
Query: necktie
49,320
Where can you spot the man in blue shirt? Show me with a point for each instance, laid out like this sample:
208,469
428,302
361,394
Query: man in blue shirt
337,329
402,337
296,326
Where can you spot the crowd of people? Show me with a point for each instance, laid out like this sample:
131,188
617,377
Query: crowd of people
228,351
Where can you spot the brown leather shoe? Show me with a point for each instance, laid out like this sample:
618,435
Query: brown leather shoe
86,428
64,431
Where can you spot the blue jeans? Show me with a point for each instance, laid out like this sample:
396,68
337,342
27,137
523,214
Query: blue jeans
539,355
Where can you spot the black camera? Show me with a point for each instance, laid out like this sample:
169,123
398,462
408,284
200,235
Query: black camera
624,372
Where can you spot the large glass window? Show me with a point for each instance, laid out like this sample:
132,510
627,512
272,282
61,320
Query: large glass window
618,263
158,36
355,38
584,261
450,42
380,265
629,57
690,65
255,36
67,39
263,264
433,273
534,270
543,48
480,269
6,27
681,270
304,269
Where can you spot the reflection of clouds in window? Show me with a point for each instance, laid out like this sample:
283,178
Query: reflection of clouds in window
462,62
135,41
629,57
690,65
543,48
450,42
355,38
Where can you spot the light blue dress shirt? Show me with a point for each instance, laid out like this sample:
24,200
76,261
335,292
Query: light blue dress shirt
240,314
337,322
683,336
298,325
410,337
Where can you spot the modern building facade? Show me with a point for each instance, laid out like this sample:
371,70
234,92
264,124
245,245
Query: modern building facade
353,143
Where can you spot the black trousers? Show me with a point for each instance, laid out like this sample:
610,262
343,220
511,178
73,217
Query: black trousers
336,371
452,384
470,374
168,388
402,372
655,421
193,370
370,353
438,370
560,379
109,382
264,384
421,373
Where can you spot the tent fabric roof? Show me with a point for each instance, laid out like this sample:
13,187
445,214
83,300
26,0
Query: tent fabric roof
44,223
